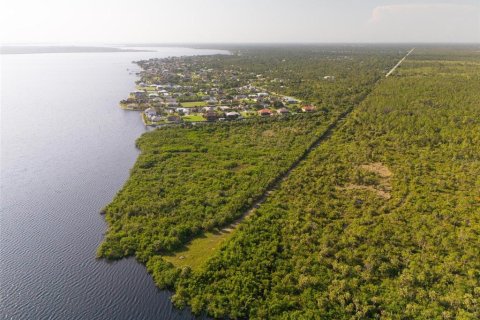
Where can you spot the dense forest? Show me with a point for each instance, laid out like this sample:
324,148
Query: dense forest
192,179
381,220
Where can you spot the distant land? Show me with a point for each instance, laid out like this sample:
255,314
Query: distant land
19,49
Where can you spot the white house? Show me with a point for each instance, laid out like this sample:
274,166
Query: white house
232,115
290,100
150,112
183,110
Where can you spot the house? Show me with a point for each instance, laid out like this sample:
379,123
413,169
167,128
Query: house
150,112
172,103
210,115
290,100
206,109
156,118
224,108
262,94
265,112
308,108
329,78
232,115
139,94
283,111
174,119
212,101
183,110
264,105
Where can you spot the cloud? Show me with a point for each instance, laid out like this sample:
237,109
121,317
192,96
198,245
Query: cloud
439,22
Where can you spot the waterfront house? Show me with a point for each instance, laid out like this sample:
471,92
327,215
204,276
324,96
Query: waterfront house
139,94
156,118
150,112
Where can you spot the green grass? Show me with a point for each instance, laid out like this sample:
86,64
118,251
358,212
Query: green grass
194,104
248,101
199,250
247,114
194,118
146,88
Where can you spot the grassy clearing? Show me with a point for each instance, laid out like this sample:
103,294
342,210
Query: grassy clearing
194,118
199,250
146,88
193,104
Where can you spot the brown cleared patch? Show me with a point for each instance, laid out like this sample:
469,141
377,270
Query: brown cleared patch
268,133
381,193
378,168
383,188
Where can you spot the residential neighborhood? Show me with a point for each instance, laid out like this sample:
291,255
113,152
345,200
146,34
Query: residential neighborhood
176,90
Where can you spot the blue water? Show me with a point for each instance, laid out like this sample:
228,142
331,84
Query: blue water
66,149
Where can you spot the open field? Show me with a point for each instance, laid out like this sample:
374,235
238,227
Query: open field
199,250
194,118
194,104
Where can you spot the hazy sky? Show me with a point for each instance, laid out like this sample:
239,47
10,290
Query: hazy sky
122,21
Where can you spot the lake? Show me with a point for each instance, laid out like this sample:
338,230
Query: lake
66,149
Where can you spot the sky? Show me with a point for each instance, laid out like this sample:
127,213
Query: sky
238,21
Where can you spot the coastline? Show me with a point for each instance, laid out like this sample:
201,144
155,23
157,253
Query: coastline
16,49
77,148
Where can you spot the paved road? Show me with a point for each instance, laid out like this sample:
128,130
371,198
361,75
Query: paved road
399,63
